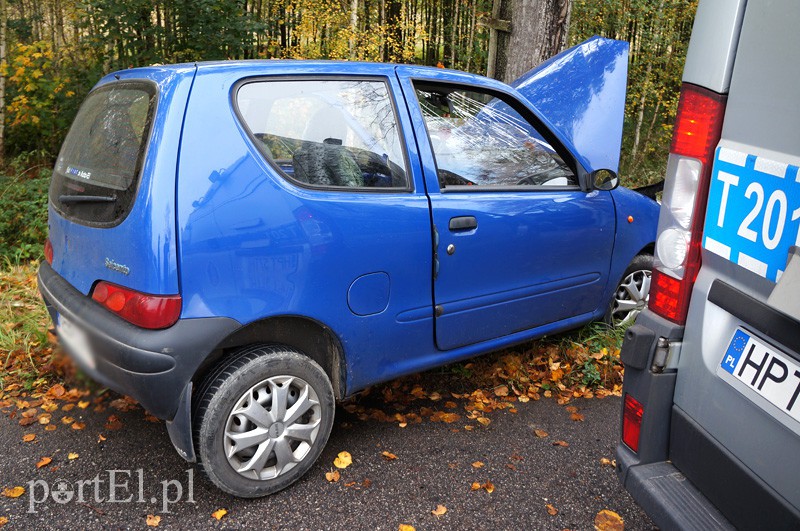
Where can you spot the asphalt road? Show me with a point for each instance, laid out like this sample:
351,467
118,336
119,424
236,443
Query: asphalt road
433,467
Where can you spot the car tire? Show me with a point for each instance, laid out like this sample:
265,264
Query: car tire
632,293
262,419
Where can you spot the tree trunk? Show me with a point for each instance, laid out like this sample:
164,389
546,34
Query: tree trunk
539,30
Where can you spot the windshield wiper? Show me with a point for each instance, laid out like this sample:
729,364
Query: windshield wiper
87,198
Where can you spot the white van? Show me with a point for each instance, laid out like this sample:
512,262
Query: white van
711,419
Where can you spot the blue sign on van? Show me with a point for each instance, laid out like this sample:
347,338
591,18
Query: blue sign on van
753,214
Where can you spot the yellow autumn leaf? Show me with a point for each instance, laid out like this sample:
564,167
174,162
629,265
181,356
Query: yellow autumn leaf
343,460
488,487
44,461
332,476
406,527
389,456
3,521
219,513
475,486
78,426
83,404
50,427
439,511
28,437
551,510
483,420
152,520
608,521
72,455
477,464
541,433
14,492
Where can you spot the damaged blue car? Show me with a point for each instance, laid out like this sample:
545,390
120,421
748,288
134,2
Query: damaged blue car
237,245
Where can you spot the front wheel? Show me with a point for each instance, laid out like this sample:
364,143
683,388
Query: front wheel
632,293
262,420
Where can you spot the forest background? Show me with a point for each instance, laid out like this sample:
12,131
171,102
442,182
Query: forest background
53,51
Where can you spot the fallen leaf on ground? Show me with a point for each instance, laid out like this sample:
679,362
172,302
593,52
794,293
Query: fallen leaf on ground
389,456
28,437
577,417
403,424
78,425
571,409
152,520
44,461
332,476
14,492
488,487
219,513
477,464
113,423
561,443
50,427
67,420
3,521
57,391
604,461
101,438
541,433
475,486
483,420
608,521
72,455
343,460
551,510
439,511
435,396
83,404
501,390
406,527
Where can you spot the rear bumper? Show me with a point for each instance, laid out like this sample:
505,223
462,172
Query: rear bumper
682,476
153,366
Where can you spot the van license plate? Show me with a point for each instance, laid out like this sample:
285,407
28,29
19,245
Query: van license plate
765,370
76,341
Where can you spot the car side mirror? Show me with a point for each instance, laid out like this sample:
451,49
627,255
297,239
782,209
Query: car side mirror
604,180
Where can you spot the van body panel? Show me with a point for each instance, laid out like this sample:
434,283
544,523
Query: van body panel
710,57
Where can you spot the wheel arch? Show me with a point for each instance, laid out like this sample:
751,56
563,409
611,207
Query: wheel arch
307,336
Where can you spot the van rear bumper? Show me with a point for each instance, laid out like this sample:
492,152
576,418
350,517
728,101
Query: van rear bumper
153,366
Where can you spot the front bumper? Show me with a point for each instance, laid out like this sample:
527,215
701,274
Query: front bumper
153,366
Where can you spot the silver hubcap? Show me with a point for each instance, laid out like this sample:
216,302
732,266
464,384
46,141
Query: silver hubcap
631,297
272,427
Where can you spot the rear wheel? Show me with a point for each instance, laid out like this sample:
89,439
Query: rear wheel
262,420
632,292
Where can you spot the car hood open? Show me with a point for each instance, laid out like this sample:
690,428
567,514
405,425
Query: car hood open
581,92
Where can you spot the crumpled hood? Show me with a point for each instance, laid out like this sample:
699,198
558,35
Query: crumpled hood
581,92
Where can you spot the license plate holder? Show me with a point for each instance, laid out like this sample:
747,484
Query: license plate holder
76,341
764,370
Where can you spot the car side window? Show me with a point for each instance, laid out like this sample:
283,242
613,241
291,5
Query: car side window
326,133
479,139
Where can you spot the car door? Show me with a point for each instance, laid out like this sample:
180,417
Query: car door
518,242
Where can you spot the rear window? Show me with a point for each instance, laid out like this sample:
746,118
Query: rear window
97,171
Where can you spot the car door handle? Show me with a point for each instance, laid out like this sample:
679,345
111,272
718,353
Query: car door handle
463,223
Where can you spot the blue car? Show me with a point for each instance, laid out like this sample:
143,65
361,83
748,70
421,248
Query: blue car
237,245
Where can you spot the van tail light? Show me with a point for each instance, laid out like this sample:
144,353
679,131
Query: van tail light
683,206
632,422
48,251
147,311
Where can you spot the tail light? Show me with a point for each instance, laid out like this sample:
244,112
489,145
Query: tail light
140,309
48,251
632,422
680,224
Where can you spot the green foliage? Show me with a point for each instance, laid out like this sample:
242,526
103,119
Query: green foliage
23,215
658,32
